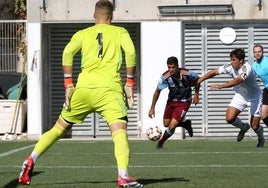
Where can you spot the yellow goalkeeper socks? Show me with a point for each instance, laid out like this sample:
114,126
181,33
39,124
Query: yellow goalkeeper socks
47,140
121,150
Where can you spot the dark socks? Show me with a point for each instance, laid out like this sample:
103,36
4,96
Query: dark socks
168,133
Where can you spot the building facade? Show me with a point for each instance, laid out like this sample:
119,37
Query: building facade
192,30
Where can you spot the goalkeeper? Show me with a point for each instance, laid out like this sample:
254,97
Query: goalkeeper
179,82
99,89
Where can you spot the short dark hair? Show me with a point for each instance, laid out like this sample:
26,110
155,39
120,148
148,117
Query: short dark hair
172,61
104,8
258,45
238,53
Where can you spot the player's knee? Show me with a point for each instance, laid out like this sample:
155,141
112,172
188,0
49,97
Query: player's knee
117,121
64,124
255,127
229,120
166,124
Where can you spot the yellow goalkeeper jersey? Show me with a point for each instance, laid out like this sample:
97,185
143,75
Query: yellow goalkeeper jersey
101,48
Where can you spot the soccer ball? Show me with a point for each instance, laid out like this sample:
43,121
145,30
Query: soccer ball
154,133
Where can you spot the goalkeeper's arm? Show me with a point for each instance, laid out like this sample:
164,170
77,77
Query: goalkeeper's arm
131,71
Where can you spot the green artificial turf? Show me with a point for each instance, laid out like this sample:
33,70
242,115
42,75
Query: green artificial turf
196,163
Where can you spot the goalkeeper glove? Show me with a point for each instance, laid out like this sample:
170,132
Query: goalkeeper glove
69,89
129,92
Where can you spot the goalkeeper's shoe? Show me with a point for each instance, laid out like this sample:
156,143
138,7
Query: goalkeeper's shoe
128,182
26,171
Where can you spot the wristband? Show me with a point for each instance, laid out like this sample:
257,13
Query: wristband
130,82
68,81
130,76
67,75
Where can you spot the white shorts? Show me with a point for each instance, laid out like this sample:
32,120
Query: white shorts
240,103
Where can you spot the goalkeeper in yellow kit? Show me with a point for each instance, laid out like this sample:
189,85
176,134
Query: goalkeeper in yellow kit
99,89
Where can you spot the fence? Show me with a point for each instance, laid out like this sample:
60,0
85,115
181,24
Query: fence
12,45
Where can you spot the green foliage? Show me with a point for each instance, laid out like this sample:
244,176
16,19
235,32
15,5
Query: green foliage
20,9
20,12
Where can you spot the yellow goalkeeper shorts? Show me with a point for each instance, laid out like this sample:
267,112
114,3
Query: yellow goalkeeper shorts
107,102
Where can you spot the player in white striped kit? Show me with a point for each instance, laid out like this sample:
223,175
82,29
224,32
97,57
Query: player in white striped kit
246,90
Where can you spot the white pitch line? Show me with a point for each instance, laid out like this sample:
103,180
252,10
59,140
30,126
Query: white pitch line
146,166
153,153
202,166
15,150
172,153
203,152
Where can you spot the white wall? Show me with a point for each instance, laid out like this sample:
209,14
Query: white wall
34,121
159,40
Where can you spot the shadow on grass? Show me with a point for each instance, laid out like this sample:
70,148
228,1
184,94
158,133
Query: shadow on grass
14,183
146,181
163,180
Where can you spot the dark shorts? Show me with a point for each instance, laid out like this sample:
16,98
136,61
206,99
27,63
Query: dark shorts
176,110
265,96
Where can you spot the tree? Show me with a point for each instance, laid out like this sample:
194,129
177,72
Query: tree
20,9
13,10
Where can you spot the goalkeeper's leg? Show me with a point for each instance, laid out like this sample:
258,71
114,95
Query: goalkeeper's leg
121,150
50,137
44,143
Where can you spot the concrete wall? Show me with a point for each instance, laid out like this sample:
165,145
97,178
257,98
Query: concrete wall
139,10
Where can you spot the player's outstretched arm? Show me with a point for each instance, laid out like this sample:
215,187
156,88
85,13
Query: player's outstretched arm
151,113
228,84
196,93
208,75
